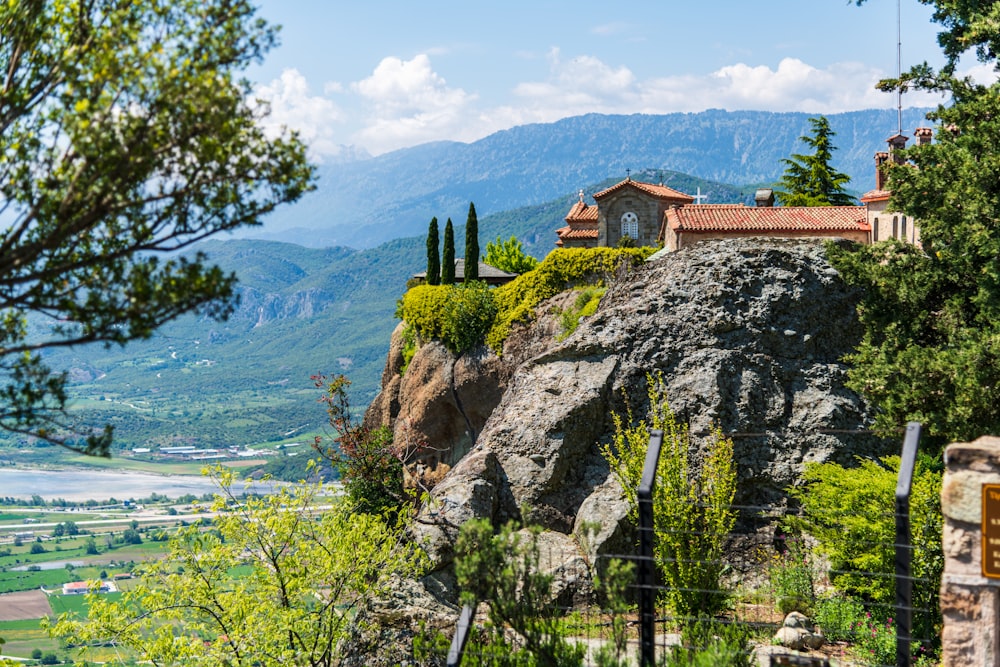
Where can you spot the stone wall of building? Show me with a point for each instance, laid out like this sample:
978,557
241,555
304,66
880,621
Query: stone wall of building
648,209
970,600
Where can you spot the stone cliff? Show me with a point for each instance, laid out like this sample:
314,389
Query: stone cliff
748,335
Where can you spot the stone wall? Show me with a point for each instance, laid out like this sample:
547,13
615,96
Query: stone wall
970,601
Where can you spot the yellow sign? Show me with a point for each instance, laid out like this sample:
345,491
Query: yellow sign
991,530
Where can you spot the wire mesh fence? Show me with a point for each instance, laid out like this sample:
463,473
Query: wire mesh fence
818,582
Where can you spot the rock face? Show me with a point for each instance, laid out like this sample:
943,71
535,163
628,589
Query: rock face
747,335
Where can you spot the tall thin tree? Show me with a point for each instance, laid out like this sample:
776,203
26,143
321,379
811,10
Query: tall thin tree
448,258
433,258
471,245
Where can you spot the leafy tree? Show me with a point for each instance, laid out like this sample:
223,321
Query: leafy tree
306,578
929,351
448,258
433,258
471,245
509,256
810,180
127,133
693,515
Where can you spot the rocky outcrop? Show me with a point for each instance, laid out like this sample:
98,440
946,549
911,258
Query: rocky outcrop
442,401
748,336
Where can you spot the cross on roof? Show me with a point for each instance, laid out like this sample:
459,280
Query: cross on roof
698,197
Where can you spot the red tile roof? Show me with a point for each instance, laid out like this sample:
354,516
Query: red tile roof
876,195
660,191
577,233
581,212
737,217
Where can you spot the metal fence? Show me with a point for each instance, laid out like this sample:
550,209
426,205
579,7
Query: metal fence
867,632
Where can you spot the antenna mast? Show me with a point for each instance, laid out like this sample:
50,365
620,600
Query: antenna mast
899,69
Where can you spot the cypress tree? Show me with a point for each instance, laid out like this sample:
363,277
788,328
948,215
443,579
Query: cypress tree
471,245
448,258
433,260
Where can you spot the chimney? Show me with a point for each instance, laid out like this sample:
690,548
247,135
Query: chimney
880,159
896,144
923,135
764,198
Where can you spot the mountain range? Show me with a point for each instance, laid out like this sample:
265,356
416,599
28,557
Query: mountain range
310,304
363,203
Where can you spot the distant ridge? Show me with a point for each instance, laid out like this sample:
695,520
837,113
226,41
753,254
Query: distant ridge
365,202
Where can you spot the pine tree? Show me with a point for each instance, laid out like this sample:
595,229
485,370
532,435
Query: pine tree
433,259
448,259
809,180
471,245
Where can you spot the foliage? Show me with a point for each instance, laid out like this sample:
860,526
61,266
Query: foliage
562,269
790,575
875,640
503,571
471,245
459,316
705,643
929,352
409,337
433,256
509,256
810,180
448,258
127,133
692,513
584,305
369,463
850,512
307,574
838,617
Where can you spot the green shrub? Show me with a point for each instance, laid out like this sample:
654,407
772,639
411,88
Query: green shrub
707,643
584,305
563,269
503,570
459,316
409,337
850,512
838,617
692,515
791,577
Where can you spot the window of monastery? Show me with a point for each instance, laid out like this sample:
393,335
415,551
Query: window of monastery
903,235
895,226
875,231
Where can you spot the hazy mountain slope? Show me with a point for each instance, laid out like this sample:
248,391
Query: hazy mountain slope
364,203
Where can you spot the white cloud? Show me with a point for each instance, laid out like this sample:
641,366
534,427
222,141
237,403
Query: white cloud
412,104
315,117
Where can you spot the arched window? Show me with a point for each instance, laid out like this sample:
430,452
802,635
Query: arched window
895,226
630,225
903,235
875,231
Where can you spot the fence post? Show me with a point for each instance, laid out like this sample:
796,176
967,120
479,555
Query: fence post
647,569
904,550
461,636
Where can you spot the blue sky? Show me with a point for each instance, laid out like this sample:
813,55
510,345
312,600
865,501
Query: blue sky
383,75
